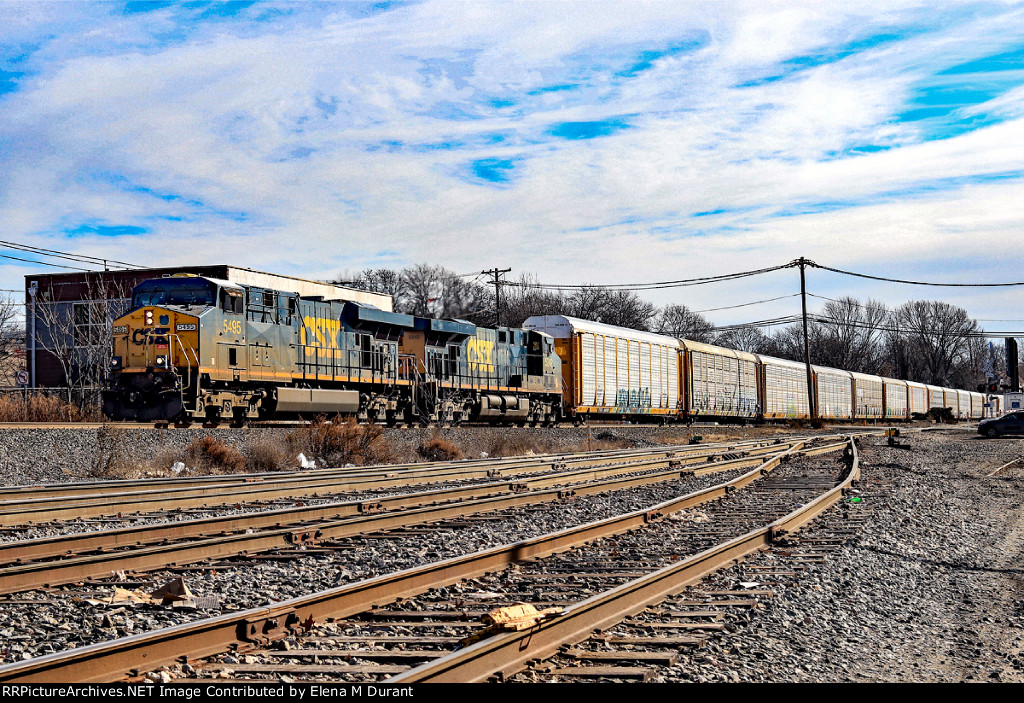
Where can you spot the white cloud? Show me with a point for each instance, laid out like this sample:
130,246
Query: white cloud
250,143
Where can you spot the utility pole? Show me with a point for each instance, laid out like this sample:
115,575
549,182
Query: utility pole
496,273
811,401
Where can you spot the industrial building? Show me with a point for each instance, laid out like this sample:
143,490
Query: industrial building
68,315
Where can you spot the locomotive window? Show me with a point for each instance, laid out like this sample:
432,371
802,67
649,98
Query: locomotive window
165,291
231,303
501,336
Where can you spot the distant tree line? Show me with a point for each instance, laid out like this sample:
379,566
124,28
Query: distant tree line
923,340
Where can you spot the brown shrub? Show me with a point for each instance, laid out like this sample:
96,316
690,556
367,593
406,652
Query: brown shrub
438,449
161,463
209,455
513,444
266,455
112,459
341,442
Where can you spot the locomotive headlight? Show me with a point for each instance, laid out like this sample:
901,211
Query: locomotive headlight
149,317
161,361
115,362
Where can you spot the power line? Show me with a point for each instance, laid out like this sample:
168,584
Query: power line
915,283
772,322
650,286
44,263
70,256
896,327
756,302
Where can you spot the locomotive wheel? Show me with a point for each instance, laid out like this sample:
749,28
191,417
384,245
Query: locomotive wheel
238,418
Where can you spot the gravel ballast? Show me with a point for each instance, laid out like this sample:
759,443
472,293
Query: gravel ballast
928,591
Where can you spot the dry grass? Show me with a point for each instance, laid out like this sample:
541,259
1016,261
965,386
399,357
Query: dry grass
439,449
41,408
209,455
516,444
339,442
113,459
265,455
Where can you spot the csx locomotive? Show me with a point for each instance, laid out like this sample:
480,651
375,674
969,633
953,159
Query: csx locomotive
201,349
196,348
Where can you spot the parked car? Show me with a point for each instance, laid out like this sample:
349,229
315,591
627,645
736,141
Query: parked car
1011,423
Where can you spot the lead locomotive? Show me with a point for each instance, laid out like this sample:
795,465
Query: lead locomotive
194,348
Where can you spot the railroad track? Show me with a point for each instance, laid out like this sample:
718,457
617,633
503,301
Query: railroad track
71,558
20,506
131,656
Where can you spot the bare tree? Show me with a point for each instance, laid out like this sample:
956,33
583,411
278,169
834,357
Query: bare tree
587,303
78,334
849,335
680,321
935,339
379,280
627,309
748,339
12,341
523,299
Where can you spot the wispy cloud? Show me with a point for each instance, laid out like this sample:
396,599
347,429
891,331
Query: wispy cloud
595,141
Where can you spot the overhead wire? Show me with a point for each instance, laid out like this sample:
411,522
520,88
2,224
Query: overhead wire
649,286
70,256
915,283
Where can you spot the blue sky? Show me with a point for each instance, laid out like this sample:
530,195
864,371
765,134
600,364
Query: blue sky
584,142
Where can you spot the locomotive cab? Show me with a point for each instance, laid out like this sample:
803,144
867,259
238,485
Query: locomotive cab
156,346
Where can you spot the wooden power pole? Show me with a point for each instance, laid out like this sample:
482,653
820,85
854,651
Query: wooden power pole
811,400
496,273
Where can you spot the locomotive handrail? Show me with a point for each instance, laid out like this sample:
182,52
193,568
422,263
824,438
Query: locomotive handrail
181,385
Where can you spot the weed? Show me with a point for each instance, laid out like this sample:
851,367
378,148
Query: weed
338,442
266,455
112,458
438,449
209,455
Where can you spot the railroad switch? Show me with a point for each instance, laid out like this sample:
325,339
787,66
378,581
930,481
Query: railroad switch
891,434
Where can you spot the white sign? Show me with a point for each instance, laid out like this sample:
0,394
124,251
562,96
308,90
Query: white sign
22,377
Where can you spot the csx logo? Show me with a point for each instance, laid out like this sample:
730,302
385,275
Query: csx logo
480,354
319,332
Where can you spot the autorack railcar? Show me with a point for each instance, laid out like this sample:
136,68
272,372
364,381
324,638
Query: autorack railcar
195,348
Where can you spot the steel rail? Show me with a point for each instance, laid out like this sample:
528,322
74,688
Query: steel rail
39,510
133,536
82,488
506,654
127,657
62,491
23,577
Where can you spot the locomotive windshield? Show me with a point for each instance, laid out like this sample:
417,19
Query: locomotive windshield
174,291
